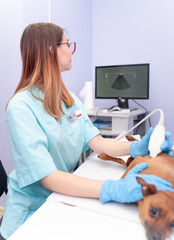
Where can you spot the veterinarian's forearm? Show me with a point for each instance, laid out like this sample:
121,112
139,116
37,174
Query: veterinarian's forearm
109,146
72,185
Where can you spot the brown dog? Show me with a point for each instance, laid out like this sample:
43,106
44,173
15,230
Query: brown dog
156,210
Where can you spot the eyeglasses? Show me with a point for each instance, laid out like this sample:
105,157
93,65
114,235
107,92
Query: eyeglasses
71,45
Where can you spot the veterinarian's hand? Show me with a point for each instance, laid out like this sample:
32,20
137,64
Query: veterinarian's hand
140,148
127,189
167,144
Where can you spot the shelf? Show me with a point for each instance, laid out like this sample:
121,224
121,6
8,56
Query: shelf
105,132
103,112
120,121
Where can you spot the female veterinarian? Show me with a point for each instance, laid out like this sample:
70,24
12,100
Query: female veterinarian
48,129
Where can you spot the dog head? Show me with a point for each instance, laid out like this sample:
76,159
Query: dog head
156,211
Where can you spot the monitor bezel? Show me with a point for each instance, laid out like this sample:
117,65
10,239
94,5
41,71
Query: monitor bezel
124,65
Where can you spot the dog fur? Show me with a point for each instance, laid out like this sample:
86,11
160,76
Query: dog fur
156,210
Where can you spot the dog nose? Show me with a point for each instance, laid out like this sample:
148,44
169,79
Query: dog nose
156,235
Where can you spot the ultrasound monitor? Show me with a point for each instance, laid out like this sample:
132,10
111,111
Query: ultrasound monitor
122,82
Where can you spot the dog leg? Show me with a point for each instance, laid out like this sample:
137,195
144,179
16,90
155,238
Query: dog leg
105,157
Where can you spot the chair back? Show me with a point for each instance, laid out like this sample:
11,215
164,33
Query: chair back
3,180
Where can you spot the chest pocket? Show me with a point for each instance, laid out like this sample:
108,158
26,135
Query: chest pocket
65,144
66,136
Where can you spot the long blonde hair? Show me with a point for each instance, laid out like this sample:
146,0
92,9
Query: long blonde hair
41,66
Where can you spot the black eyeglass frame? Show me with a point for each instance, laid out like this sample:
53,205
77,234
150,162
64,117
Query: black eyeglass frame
68,44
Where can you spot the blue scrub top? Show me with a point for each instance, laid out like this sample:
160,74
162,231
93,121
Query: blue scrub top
40,145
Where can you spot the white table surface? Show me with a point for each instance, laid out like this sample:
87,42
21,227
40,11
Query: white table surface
63,217
55,220
95,168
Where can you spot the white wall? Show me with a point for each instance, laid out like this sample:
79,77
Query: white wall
138,31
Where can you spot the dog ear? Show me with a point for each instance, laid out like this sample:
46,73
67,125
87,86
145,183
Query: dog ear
145,187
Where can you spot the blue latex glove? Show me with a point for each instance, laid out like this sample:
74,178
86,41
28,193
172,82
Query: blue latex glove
140,148
127,189
167,144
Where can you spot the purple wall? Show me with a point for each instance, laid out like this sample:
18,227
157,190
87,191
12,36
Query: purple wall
126,32
76,17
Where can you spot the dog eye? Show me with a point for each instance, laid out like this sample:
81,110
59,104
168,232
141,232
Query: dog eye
171,224
154,212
